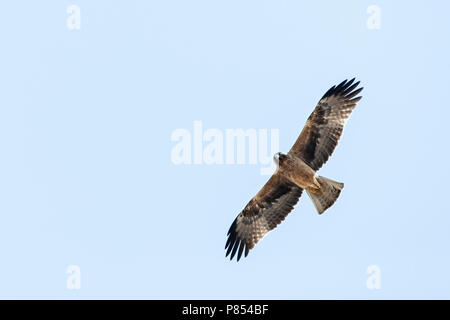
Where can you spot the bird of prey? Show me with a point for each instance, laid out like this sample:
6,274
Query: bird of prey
297,171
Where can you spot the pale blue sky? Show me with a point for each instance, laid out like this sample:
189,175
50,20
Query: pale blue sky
86,176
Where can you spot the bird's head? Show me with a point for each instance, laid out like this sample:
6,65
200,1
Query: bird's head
279,157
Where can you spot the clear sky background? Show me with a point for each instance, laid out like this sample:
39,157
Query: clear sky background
86,176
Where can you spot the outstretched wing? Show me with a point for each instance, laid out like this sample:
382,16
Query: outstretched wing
263,213
324,126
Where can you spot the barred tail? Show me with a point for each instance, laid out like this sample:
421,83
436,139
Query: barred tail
327,194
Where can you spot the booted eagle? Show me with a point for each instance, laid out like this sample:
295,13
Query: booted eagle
297,171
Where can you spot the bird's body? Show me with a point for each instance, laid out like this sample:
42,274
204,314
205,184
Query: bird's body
322,191
297,171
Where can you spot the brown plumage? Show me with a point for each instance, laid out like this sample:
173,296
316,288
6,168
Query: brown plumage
296,171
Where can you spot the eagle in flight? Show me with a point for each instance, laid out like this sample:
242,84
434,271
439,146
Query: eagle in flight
297,171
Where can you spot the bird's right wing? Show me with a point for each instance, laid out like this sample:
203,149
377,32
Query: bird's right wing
263,213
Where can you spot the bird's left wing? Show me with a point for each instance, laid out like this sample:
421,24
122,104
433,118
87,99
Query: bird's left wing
263,213
324,126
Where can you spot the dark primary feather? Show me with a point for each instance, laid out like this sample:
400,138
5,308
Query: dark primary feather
324,126
263,213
